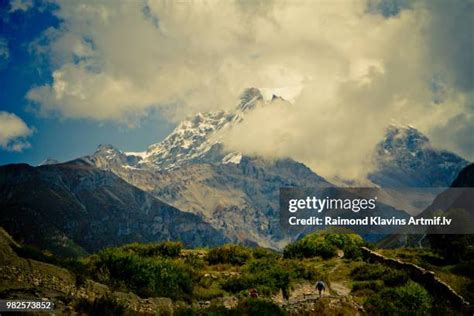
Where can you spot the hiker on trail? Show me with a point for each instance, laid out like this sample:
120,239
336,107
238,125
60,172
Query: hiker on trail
320,286
253,293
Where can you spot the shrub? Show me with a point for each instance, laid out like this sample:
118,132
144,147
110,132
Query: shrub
394,277
411,299
301,270
352,252
260,253
237,284
391,277
207,294
145,276
308,249
368,272
194,261
264,274
170,249
232,254
258,307
324,245
367,285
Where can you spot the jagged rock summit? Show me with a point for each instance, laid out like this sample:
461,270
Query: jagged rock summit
406,158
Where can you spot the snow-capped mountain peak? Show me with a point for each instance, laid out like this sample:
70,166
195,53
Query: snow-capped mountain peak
406,158
198,139
49,161
189,140
404,137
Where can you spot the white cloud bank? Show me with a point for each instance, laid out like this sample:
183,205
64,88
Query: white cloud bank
357,70
13,132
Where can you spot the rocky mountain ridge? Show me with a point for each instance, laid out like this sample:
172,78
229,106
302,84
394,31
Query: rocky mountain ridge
406,158
74,208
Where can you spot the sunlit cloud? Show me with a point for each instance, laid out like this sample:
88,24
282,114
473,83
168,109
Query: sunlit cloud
13,132
349,68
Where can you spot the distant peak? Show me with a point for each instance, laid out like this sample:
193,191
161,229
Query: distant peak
249,98
49,161
404,136
105,147
404,131
276,97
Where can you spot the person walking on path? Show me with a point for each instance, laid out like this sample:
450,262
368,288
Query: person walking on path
320,286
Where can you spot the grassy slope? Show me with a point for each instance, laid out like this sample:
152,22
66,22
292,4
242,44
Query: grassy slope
425,258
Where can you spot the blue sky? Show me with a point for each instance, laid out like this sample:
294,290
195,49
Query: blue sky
53,137
76,74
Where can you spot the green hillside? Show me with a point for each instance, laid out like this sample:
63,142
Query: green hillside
166,279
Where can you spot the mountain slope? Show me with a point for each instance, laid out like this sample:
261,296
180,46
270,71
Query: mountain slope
458,198
74,208
191,170
449,202
241,199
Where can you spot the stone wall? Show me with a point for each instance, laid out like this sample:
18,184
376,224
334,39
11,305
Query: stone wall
425,277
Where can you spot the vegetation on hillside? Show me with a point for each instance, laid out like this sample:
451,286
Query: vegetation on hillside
217,281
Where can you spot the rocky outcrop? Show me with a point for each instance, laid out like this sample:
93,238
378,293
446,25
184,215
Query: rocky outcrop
425,277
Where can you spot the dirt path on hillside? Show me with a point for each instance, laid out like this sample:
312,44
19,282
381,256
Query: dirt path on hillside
305,292
336,300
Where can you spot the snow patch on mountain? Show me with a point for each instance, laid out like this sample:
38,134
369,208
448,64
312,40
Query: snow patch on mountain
234,158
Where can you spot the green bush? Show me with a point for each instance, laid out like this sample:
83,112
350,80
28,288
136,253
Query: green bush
410,299
301,270
145,276
394,277
231,254
170,249
391,277
367,285
207,294
259,307
368,272
325,245
194,261
260,253
268,275
352,252
308,249
237,284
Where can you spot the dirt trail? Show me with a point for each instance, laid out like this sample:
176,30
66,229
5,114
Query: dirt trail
305,292
335,300
340,288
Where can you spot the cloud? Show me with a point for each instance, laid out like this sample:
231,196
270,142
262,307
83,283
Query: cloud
380,70
4,53
13,132
20,5
358,66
